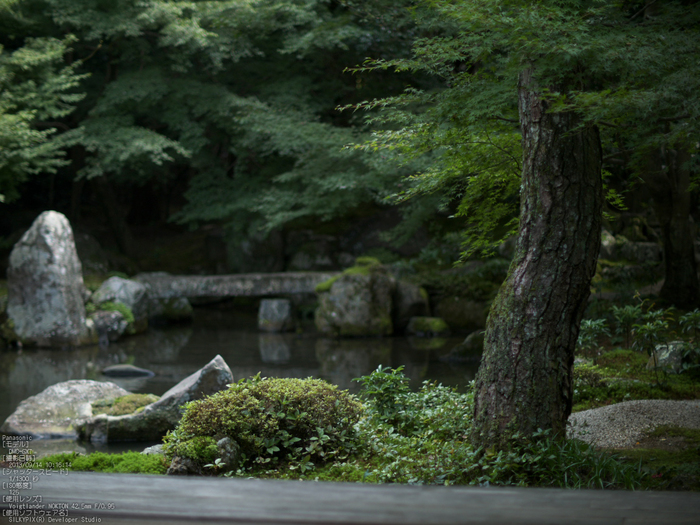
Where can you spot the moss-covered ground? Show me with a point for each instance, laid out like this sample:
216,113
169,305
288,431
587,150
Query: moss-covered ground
621,375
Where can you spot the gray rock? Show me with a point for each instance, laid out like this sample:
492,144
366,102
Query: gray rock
229,453
154,450
180,466
668,357
357,305
110,326
156,419
45,286
275,315
126,371
59,410
129,292
607,245
410,300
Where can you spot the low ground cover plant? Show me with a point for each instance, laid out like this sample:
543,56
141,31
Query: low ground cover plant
125,462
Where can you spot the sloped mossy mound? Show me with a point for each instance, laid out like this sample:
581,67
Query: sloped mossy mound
272,420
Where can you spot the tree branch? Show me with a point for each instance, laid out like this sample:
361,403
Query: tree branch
642,10
43,124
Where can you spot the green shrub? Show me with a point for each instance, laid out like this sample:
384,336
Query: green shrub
301,421
423,437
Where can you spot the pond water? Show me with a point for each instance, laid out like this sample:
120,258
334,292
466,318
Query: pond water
173,353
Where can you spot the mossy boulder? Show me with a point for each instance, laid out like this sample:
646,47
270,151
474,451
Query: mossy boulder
271,420
357,303
161,416
59,410
127,296
119,406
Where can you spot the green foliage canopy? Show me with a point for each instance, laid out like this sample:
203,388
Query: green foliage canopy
234,97
626,66
35,86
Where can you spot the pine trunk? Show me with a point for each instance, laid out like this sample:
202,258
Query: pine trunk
524,382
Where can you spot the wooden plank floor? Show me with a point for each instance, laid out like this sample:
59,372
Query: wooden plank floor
158,500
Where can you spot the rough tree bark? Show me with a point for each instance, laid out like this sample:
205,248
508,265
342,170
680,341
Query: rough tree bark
669,181
524,382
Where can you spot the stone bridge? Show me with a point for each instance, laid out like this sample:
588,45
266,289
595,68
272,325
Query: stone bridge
164,285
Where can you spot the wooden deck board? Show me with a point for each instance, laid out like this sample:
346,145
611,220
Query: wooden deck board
156,500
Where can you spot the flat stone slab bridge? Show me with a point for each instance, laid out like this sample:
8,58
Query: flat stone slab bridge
164,285
140,499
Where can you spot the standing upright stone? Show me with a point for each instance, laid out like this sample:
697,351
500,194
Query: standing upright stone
45,285
275,315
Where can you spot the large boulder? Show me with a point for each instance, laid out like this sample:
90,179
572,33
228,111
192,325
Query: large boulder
357,304
151,423
46,292
668,357
109,326
59,409
131,293
172,307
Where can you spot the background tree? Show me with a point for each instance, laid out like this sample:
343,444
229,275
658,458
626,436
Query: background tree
229,103
580,65
36,89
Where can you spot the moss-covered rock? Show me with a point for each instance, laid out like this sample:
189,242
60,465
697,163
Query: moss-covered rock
123,405
358,303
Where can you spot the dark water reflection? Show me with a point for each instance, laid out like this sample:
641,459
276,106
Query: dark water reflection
175,352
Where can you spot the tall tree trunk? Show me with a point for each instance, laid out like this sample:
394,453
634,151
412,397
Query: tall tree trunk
524,382
669,180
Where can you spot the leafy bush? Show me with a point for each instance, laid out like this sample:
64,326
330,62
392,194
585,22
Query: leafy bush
590,332
422,437
298,421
